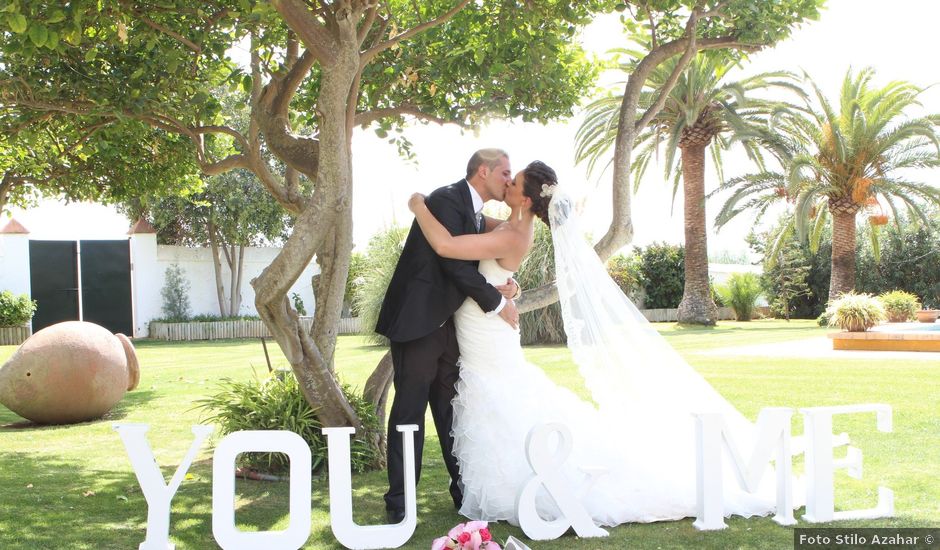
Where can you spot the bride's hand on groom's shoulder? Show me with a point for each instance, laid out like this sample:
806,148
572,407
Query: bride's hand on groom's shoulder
511,290
416,200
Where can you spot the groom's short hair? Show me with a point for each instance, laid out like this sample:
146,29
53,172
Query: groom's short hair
490,157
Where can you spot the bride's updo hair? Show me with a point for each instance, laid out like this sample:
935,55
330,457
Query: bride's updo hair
539,182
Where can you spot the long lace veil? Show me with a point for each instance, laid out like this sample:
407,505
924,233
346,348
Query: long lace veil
628,367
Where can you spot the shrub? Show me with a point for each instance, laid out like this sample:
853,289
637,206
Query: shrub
741,293
899,306
909,259
15,311
175,294
662,270
625,271
298,303
855,312
277,403
357,263
376,272
545,325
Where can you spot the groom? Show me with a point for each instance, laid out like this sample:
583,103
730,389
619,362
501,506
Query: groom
417,317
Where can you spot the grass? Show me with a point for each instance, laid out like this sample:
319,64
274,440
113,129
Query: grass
73,487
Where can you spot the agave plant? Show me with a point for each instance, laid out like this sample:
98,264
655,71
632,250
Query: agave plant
705,112
843,162
855,312
376,272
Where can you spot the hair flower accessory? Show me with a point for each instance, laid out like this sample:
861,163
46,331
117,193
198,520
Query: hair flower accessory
548,190
472,535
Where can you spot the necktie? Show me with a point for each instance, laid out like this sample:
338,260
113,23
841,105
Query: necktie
479,222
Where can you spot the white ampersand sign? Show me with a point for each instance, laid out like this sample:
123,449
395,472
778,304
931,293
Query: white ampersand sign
547,463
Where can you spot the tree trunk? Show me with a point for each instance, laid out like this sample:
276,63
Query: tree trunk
842,279
6,184
697,306
324,225
376,392
217,268
236,291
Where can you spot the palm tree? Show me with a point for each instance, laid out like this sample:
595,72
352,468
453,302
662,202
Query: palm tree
702,112
842,163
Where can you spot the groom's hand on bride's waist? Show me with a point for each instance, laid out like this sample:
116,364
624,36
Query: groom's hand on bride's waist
510,314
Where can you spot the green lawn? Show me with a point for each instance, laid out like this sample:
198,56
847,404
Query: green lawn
73,487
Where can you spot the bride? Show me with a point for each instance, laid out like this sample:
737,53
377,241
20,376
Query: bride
639,429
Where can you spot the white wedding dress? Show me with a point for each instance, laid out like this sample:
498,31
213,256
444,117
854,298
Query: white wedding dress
639,429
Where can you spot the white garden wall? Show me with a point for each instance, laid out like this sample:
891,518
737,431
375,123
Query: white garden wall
14,263
150,262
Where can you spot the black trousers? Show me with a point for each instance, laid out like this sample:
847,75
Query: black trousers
425,373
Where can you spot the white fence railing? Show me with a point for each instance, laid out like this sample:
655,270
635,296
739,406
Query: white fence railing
14,336
218,330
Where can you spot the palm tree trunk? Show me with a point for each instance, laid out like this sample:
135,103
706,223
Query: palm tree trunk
842,279
697,306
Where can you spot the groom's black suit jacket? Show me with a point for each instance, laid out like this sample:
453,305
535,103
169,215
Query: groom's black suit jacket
426,289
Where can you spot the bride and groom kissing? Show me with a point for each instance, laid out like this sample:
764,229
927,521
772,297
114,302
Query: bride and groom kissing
453,326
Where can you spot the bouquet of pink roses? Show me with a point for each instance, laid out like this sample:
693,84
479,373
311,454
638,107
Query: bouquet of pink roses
472,535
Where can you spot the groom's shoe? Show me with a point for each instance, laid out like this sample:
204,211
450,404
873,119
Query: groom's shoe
394,516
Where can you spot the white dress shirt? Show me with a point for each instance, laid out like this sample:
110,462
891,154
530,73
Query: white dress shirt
478,208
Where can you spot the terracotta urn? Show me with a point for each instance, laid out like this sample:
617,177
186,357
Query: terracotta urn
928,315
69,372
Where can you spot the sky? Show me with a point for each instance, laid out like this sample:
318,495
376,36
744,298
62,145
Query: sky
898,39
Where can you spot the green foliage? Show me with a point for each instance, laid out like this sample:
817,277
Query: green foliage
789,279
899,306
545,325
15,311
855,312
81,160
298,303
205,318
175,294
357,264
277,403
909,260
844,156
662,271
784,257
703,99
381,257
740,293
625,270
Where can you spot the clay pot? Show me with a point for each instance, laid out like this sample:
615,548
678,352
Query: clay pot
69,372
928,315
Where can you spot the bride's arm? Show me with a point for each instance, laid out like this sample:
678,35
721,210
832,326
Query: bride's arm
485,246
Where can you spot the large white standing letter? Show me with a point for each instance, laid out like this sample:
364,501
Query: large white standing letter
157,493
820,466
548,472
772,431
223,489
344,528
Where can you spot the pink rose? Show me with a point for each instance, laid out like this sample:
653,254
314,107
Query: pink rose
485,535
476,525
455,532
463,538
